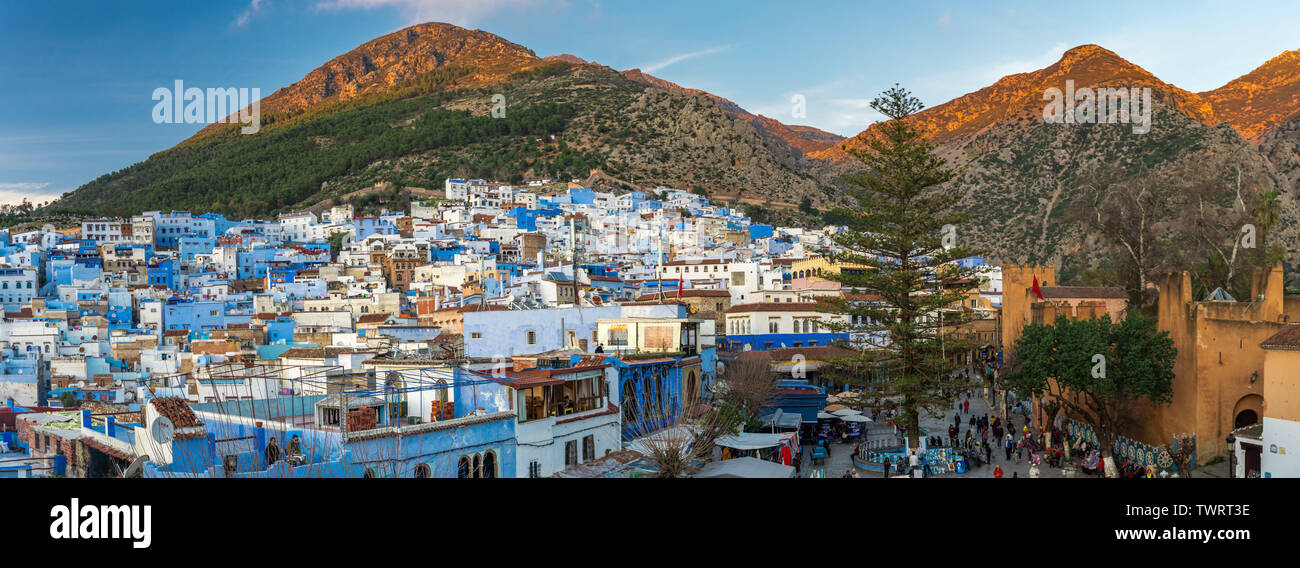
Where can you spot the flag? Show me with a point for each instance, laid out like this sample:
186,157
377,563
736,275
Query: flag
680,283
1037,291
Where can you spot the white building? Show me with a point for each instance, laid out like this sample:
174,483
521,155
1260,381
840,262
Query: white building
564,418
17,285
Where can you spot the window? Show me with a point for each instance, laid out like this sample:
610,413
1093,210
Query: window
489,465
618,335
476,335
570,453
588,448
462,467
422,471
532,337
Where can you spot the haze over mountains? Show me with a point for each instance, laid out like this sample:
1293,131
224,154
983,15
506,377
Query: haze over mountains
383,111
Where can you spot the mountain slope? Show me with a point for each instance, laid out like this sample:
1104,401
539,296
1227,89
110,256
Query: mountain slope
1086,65
414,106
1024,178
1261,100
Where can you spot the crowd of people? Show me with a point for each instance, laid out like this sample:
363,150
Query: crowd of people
979,437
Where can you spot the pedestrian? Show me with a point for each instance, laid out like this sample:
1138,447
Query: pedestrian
997,472
1006,443
965,406
272,451
1020,451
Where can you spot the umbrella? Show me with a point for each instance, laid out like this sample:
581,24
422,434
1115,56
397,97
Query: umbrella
856,418
825,416
835,407
846,412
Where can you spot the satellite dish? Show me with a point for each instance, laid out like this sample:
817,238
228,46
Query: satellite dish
136,466
162,430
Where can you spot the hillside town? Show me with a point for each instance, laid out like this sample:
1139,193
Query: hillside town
549,330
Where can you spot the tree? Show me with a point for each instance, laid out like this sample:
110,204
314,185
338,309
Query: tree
806,205
1227,224
900,237
1096,370
1127,213
673,440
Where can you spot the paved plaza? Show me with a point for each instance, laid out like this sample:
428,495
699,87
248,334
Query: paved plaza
840,459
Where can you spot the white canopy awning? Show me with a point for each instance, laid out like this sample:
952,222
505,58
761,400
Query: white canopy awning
751,441
750,468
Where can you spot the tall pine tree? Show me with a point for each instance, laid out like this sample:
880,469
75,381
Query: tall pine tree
899,263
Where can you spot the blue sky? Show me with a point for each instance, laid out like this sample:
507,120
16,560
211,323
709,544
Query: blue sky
79,75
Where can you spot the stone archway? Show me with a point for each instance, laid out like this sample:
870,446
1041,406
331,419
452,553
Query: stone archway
1249,410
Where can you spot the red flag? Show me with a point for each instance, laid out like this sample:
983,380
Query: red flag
1037,291
680,282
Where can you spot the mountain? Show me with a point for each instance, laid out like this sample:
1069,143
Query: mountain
806,139
415,106
1011,96
1259,101
1024,179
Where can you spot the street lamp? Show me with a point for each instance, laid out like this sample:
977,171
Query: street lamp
1232,453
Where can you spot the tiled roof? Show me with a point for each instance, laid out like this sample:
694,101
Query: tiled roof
179,412
688,294
373,318
319,352
542,377
1288,338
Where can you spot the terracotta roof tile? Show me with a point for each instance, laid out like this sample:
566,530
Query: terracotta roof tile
1288,338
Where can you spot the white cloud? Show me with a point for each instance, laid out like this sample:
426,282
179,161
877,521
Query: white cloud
36,192
651,68
253,7
458,12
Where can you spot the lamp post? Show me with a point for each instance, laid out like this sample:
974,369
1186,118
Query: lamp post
1232,454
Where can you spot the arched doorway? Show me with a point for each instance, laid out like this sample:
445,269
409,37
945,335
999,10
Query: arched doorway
1249,410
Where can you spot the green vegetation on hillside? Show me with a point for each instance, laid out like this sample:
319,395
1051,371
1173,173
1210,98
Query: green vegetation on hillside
254,175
